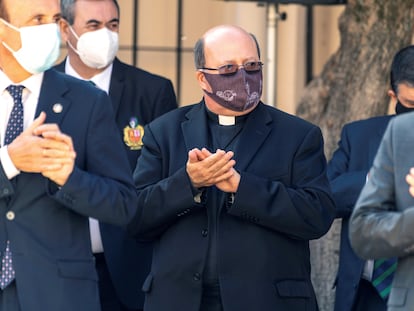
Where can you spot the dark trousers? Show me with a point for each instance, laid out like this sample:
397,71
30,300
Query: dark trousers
211,299
368,298
109,299
8,298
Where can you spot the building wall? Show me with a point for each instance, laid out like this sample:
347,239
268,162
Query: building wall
283,42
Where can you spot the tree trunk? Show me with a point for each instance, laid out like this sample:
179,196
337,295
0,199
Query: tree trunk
353,85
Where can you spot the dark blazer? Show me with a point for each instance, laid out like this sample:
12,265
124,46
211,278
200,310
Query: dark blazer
48,228
134,93
347,173
282,202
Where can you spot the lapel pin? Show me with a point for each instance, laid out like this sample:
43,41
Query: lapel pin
57,108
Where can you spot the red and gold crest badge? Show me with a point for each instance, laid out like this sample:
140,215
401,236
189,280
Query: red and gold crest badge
133,134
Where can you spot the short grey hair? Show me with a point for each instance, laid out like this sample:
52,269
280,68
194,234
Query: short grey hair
67,8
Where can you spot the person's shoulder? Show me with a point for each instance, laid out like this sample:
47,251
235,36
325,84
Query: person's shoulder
404,117
174,116
369,122
136,72
360,130
71,82
72,87
403,121
284,118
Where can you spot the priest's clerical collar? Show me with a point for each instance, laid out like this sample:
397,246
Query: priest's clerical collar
225,120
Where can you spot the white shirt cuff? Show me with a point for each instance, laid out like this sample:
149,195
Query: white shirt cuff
8,166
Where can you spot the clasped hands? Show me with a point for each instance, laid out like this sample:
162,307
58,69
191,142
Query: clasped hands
206,169
43,148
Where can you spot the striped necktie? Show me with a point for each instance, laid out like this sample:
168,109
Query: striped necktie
382,276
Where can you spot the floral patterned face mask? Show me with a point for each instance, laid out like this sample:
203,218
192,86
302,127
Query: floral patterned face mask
238,92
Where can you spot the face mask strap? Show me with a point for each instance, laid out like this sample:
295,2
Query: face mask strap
73,32
10,25
8,47
77,38
72,47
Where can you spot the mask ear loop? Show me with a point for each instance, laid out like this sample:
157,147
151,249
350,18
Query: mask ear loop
77,38
12,27
73,32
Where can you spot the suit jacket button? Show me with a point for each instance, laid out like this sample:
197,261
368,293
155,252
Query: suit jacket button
10,215
196,277
204,232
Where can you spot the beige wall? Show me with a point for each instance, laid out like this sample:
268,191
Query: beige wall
285,40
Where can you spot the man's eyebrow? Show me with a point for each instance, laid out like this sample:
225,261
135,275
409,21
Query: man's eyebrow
114,20
38,16
93,21
43,17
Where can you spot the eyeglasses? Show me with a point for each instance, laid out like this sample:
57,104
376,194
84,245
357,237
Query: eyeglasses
231,69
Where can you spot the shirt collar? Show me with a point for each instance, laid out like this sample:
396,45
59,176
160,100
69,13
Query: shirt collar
32,83
101,80
225,120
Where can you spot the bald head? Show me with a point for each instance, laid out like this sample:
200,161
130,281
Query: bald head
221,40
225,30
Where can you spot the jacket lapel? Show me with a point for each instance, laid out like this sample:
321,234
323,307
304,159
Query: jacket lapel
375,142
51,98
116,86
252,137
195,128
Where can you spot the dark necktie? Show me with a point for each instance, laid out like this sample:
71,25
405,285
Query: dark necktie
382,276
91,82
15,124
14,128
7,271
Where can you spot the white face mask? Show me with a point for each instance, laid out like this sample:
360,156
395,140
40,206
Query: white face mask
97,49
40,46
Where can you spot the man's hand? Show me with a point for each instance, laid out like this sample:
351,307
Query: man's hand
43,148
206,169
410,180
60,153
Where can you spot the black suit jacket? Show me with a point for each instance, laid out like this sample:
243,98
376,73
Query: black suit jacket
347,172
145,96
49,230
282,202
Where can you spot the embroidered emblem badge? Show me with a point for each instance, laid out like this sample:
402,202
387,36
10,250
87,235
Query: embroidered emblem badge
133,134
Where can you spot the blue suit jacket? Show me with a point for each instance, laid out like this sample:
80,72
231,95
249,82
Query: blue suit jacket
347,173
49,233
134,93
282,202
